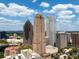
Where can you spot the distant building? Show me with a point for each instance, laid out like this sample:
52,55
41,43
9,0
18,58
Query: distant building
12,37
28,32
75,39
61,40
12,50
3,35
69,37
51,30
39,34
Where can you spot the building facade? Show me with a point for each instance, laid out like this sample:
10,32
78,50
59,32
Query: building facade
69,37
39,34
28,32
51,30
12,50
61,40
3,35
75,39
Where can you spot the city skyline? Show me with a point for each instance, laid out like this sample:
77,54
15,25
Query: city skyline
13,13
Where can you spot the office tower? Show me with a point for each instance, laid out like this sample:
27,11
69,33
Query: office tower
28,32
39,41
51,30
61,40
75,39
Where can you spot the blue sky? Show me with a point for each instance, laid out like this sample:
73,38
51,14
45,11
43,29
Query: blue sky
14,13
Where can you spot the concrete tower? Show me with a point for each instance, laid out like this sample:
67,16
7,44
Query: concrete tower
51,30
61,40
39,41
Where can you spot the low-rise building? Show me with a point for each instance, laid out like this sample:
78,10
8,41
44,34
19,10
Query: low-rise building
15,40
25,54
12,50
51,50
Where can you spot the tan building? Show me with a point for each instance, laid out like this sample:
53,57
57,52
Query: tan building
39,34
61,40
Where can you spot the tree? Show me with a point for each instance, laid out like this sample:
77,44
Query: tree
3,42
74,50
1,55
24,46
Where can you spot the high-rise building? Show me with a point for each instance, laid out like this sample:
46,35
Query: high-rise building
75,39
28,32
61,40
39,34
51,30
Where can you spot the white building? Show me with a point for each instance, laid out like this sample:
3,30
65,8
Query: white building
51,29
15,40
51,50
25,54
30,54
18,56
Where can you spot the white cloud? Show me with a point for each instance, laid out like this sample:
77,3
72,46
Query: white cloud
47,11
15,10
2,6
76,8
4,21
62,11
34,0
44,4
60,7
8,24
65,12
66,16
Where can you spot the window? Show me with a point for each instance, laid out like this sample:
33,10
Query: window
33,58
14,58
7,52
19,57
